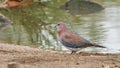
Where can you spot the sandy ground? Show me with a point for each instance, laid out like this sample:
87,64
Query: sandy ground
27,57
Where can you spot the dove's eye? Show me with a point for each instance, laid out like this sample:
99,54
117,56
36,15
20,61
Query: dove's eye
58,24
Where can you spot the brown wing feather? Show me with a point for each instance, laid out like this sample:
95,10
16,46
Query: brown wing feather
68,36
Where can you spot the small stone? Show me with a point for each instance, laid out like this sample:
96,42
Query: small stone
77,63
13,65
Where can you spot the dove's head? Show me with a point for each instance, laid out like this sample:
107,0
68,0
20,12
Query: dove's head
61,27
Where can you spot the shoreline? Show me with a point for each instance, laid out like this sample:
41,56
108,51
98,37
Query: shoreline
28,57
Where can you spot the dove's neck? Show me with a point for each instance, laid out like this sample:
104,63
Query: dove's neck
61,32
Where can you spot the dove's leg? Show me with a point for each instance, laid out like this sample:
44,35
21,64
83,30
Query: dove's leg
73,52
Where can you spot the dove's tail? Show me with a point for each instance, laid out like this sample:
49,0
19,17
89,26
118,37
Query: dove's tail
95,45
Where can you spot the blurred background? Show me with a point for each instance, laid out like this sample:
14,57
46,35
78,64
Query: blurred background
32,22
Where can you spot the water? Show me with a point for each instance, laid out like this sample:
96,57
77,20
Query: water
75,7
102,28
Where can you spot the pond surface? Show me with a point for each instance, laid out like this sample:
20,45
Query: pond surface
102,28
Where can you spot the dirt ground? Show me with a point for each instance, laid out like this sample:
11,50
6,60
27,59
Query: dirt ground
28,57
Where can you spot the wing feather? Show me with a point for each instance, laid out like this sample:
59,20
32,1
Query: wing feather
73,40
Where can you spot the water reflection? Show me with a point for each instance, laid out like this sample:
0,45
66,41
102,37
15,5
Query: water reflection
113,26
37,28
77,7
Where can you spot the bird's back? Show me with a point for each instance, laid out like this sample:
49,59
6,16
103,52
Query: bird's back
73,40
